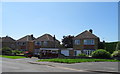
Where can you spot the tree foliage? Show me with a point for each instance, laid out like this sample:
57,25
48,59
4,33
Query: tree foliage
118,46
110,47
101,45
67,41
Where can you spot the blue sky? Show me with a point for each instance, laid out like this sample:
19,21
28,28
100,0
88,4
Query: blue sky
60,18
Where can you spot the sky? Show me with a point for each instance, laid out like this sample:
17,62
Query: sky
60,19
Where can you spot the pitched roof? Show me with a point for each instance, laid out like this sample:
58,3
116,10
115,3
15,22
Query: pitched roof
26,38
46,37
7,39
85,34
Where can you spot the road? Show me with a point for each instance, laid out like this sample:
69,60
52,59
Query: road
22,65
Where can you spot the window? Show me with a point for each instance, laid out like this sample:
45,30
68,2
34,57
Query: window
45,43
89,42
24,43
37,43
77,42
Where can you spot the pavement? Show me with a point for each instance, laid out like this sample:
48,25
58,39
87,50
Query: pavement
30,65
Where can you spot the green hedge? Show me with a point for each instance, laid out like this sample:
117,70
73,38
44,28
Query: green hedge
82,55
100,53
116,53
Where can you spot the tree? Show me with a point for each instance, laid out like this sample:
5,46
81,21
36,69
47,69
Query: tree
101,45
110,46
118,46
67,41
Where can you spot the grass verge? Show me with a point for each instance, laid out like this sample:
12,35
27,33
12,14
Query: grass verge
12,57
76,60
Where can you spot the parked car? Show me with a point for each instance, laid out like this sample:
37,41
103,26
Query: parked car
28,54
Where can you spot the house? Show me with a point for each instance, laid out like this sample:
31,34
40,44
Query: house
25,43
86,43
46,41
8,42
47,44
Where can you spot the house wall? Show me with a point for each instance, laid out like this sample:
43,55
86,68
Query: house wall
11,45
82,46
31,46
50,44
78,47
20,46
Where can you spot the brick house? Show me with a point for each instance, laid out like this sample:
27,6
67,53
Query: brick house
86,42
46,41
8,42
47,44
25,43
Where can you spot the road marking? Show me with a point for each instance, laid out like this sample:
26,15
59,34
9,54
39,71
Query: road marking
67,68
71,69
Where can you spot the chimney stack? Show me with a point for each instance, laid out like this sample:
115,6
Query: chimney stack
32,36
91,30
54,37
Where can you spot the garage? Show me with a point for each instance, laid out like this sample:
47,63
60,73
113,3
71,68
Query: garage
65,52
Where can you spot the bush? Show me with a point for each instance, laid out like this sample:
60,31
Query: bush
6,51
15,52
116,54
100,53
82,55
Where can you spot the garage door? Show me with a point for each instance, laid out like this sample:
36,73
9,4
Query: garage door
65,52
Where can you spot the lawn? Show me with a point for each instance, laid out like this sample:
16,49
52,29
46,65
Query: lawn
12,57
76,60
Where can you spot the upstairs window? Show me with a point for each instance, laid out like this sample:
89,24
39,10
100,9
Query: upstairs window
45,43
37,43
77,42
89,42
24,43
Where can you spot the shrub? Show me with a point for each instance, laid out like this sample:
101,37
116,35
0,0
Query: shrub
116,53
14,52
100,53
82,55
6,51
